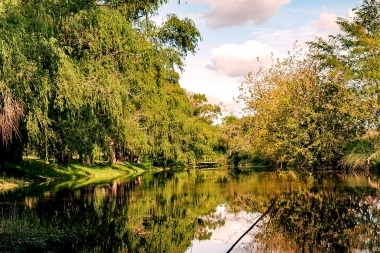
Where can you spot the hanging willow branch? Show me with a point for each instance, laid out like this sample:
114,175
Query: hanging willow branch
11,113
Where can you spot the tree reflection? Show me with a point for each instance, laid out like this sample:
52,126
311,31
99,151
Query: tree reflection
322,221
166,212
118,217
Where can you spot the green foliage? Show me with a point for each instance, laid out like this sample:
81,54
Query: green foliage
355,54
363,152
234,140
179,34
306,109
98,78
300,115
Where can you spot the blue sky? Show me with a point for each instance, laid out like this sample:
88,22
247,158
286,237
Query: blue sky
236,32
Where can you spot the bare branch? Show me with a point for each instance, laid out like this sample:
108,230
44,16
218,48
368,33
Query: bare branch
11,113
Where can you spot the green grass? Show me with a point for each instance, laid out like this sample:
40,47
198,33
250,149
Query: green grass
146,166
37,170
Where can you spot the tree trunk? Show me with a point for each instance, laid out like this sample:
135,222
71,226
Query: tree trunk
13,151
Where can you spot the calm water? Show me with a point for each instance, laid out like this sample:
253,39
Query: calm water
207,211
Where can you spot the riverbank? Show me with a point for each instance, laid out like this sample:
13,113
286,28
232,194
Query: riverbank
36,170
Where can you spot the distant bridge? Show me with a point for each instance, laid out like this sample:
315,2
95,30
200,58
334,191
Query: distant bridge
206,164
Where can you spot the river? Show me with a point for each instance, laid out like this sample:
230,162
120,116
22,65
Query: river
196,211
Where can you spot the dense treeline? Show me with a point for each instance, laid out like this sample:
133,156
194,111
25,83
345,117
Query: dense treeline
83,78
88,77
319,108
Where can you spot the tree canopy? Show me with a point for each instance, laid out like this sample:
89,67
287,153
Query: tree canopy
80,76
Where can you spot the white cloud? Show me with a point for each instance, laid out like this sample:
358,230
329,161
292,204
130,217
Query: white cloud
235,60
217,88
223,237
284,40
226,13
326,24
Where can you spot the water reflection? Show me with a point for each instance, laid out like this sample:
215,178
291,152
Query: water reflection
196,211
221,238
323,221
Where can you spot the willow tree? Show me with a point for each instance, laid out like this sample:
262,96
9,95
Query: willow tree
27,67
203,134
84,75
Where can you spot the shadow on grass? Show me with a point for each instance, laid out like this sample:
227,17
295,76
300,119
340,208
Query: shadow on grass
31,169
101,165
37,170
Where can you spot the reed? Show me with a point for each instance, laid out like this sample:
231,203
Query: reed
363,153
21,230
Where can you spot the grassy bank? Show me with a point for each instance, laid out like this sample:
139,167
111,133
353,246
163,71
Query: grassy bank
34,170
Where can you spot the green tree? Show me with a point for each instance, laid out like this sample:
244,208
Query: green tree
78,76
235,139
355,53
300,115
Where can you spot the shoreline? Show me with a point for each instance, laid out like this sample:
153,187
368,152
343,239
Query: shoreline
13,176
